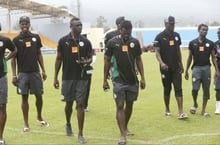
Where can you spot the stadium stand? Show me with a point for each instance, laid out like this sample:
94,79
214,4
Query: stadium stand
47,43
35,8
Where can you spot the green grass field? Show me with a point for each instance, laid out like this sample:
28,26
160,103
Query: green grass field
148,121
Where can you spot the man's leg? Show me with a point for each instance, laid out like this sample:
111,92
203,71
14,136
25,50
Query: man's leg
179,100
120,116
25,110
206,81
80,117
3,117
68,113
87,93
128,112
195,94
167,103
204,103
167,80
39,105
217,95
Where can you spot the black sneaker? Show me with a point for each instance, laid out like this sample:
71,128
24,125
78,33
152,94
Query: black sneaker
69,131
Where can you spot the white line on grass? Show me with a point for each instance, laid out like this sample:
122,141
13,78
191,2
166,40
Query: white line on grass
92,137
165,140
188,135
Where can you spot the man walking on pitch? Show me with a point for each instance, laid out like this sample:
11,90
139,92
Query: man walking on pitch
127,53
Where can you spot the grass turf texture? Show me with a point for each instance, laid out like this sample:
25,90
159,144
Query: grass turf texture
148,122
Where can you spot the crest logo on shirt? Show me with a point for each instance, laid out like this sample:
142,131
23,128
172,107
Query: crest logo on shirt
132,44
1,43
117,45
81,43
34,39
176,38
207,45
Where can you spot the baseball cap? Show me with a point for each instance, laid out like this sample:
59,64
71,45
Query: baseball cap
24,18
170,20
119,20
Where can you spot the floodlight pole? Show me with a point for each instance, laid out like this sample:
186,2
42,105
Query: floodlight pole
78,8
9,20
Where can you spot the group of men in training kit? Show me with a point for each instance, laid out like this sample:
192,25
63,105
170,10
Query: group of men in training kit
122,61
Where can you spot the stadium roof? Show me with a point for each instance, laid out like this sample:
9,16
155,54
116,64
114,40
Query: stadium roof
35,8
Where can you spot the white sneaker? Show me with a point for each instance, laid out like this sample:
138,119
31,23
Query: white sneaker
217,111
86,110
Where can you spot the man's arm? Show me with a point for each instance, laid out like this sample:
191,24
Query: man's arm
215,63
41,62
107,64
58,63
188,63
140,67
13,68
180,59
158,56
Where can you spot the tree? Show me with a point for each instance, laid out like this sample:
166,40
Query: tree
100,22
139,24
215,23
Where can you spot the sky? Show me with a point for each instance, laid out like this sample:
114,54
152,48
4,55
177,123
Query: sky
151,12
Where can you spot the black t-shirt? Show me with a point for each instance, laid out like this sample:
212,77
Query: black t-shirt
110,35
169,48
71,51
28,48
201,51
5,43
125,54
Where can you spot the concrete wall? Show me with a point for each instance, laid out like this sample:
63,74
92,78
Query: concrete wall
55,31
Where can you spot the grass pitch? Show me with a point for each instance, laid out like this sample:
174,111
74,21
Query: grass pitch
147,122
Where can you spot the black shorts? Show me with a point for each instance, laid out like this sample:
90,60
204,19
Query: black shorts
172,77
202,75
125,91
30,83
3,90
74,90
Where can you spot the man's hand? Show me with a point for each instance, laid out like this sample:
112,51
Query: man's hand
15,80
44,76
186,75
164,66
142,84
106,86
56,84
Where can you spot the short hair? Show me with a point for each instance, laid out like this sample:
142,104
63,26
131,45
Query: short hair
74,19
24,18
126,24
170,20
119,20
218,31
202,25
